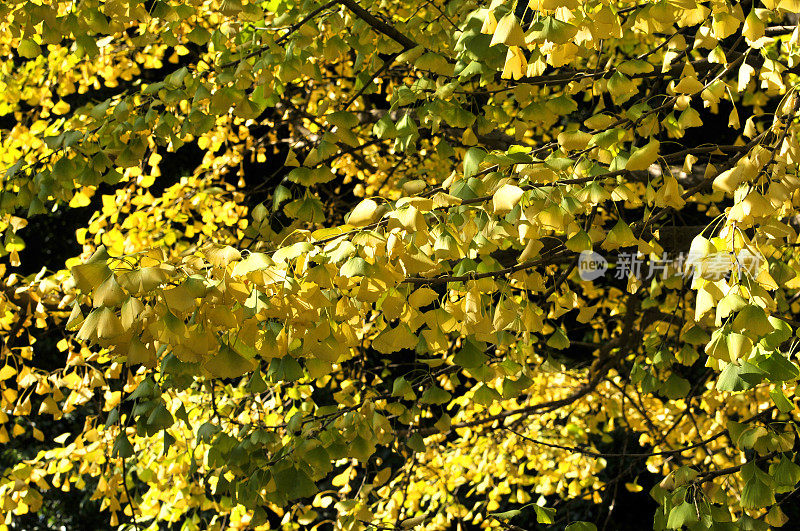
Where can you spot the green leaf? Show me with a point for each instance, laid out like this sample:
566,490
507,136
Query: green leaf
206,431
355,267
739,378
384,128
514,388
485,395
676,387
780,400
406,126
416,442
552,29
145,389
735,429
308,209
472,160
695,336
122,447
786,473
558,340
749,437
29,49
361,448
782,332
257,383
778,368
401,388
92,273
435,395
169,440
285,369
753,321
199,36
471,354
466,189
681,515
295,483
175,79
506,515
319,459
758,490
160,418
684,475
113,417
581,526
544,515
280,195
562,105
228,363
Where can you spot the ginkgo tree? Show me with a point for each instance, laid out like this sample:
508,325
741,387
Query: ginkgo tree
346,262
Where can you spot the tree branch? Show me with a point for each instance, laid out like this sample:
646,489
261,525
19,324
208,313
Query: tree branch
590,453
378,24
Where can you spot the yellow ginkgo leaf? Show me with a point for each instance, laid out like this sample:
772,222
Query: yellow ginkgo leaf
620,235
725,24
142,280
109,293
221,256
506,198
643,157
621,88
91,274
422,297
689,118
62,107
75,318
469,138
729,180
516,65
578,242
179,299
508,32
489,23
394,339
50,407
363,214
131,310
7,372
753,28
552,5
88,329
531,250
669,194
739,346
688,85
574,140
81,199
600,121
108,324
138,353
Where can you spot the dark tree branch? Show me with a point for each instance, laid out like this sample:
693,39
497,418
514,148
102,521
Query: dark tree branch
379,25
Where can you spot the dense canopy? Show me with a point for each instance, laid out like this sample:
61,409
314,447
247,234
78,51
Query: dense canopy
377,264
